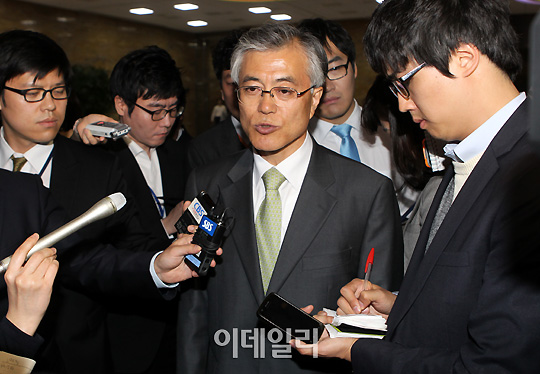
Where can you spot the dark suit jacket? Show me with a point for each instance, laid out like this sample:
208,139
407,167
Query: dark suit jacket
343,210
214,144
136,330
470,305
25,208
174,172
81,176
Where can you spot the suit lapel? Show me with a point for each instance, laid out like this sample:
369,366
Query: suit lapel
240,195
311,211
421,265
170,174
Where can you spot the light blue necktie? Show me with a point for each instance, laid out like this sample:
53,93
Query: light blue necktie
348,146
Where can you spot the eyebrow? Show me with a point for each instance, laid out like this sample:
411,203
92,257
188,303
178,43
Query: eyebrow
34,84
158,105
287,79
336,58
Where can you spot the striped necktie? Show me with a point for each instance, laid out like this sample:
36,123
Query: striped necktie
18,163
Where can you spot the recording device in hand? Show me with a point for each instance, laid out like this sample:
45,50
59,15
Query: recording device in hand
290,319
199,207
111,130
209,235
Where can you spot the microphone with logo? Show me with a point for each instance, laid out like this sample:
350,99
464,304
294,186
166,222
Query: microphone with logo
102,209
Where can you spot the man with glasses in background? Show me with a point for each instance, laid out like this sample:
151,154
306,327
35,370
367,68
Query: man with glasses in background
148,95
305,218
337,122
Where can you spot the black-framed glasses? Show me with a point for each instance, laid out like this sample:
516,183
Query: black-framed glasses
338,72
399,85
280,95
158,115
34,95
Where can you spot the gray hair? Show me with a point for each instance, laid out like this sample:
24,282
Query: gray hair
275,36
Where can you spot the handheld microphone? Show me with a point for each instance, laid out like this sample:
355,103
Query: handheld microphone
102,209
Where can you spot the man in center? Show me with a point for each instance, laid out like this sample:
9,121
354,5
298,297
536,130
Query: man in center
303,237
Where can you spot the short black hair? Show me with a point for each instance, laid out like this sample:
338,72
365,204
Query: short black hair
325,30
24,52
147,72
429,31
221,55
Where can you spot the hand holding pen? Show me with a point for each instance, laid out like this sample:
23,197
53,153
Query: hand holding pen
367,271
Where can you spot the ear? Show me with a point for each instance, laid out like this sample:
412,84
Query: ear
120,106
315,99
355,70
222,96
464,60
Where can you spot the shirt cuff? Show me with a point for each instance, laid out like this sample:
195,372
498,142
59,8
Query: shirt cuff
171,236
158,282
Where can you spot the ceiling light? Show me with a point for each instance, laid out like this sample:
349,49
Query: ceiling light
186,6
280,17
260,10
197,23
141,11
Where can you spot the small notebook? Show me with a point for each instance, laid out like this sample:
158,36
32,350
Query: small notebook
356,325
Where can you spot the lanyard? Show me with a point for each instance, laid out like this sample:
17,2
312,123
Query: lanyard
159,206
46,163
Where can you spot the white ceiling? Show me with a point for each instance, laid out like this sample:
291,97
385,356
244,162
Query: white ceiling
224,15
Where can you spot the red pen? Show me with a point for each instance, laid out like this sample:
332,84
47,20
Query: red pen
369,265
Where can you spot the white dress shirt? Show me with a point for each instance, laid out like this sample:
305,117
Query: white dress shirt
469,151
294,169
151,171
374,151
37,157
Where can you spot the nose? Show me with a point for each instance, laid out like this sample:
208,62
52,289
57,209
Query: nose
48,103
405,105
167,121
266,103
329,86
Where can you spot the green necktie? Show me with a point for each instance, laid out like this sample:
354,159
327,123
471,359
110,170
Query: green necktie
18,163
268,225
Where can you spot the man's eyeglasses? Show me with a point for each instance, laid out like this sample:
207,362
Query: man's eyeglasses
399,86
280,95
338,72
158,115
34,95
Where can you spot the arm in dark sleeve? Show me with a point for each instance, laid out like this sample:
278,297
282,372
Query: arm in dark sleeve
502,332
192,324
14,341
383,232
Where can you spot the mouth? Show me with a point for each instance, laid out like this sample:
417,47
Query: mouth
330,100
265,128
422,123
49,122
